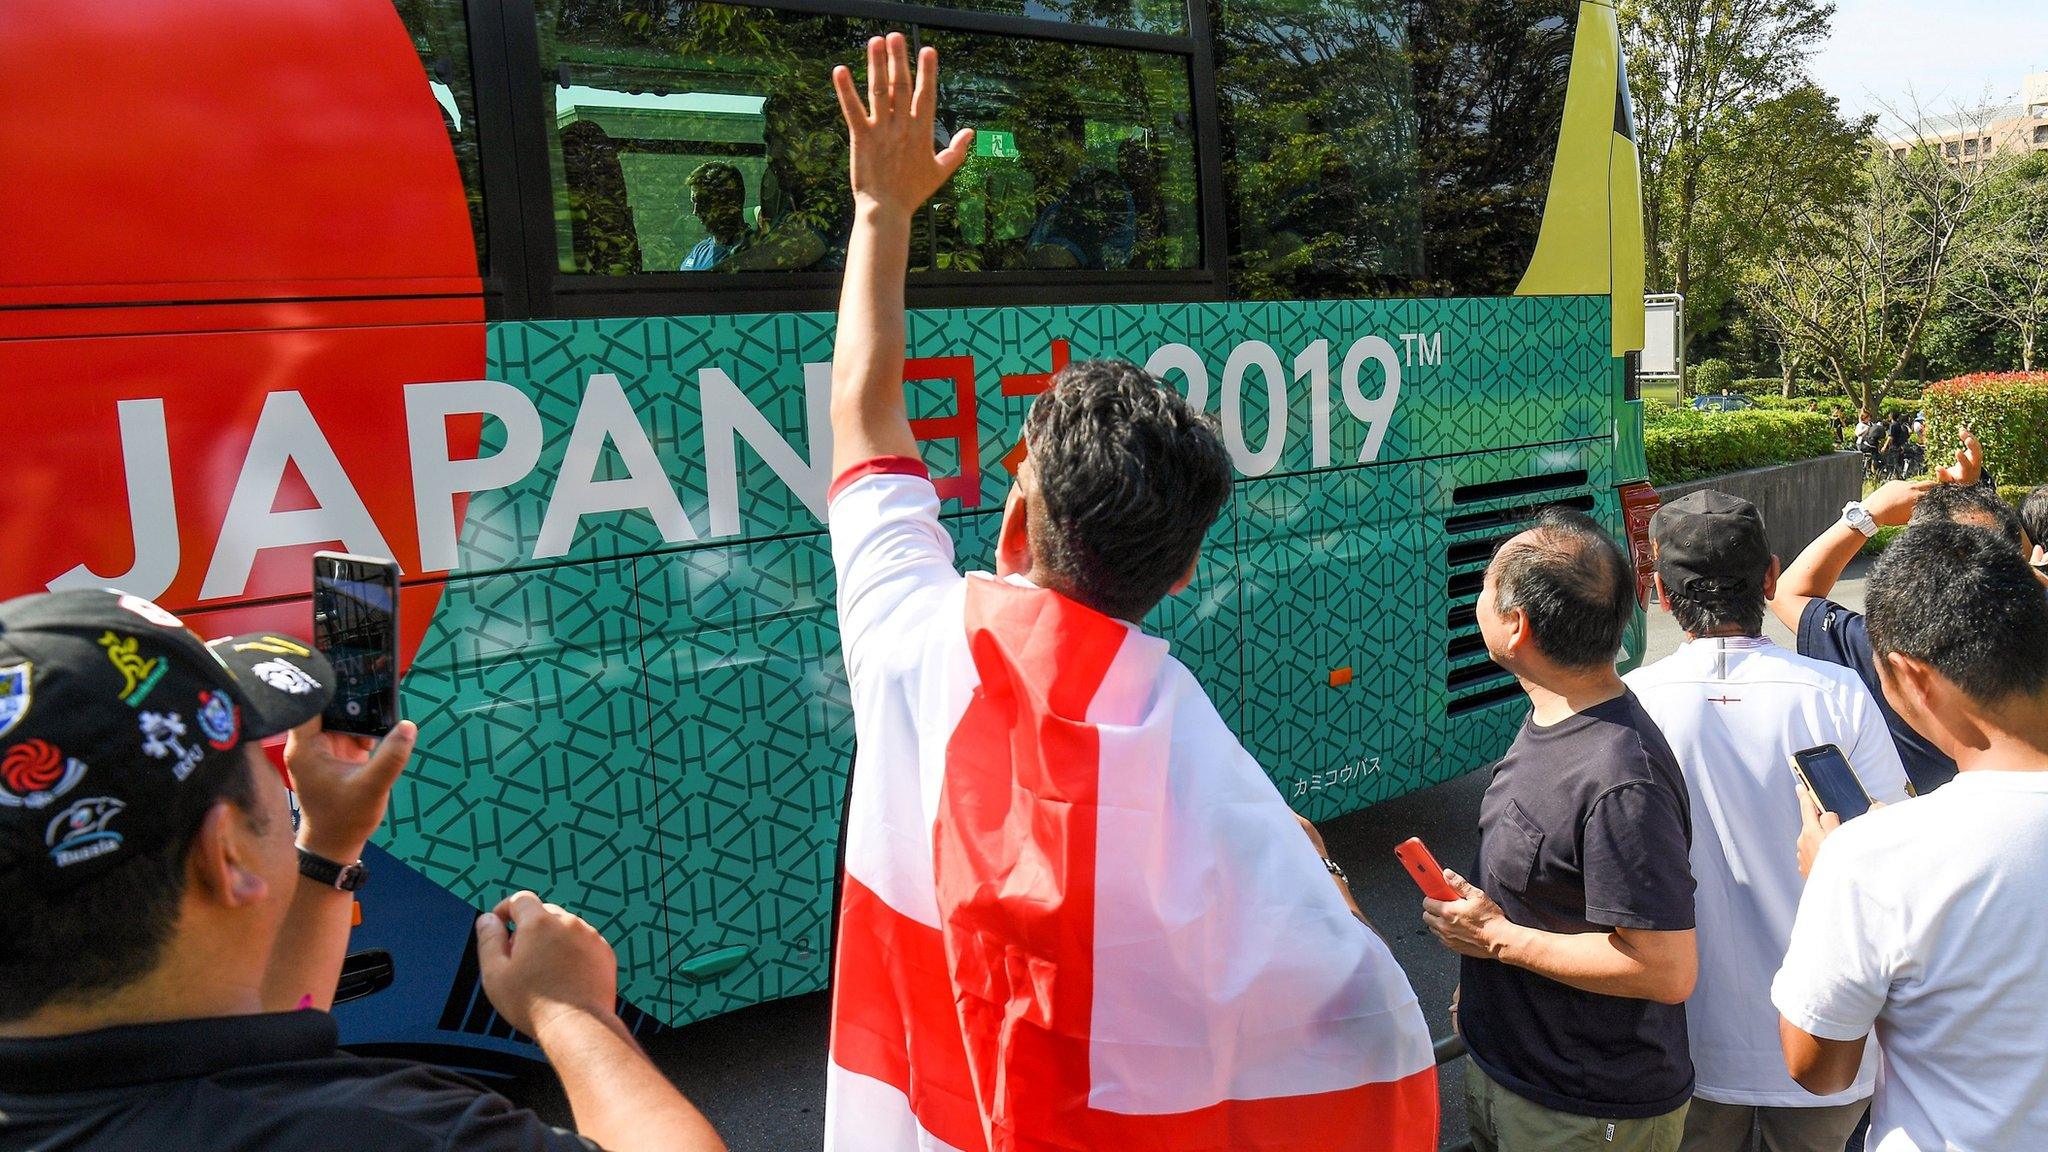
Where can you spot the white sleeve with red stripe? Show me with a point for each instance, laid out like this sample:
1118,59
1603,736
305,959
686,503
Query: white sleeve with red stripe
891,556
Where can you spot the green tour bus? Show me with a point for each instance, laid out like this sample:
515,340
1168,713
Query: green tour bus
536,297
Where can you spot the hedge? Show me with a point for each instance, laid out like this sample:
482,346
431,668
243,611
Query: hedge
1905,392
1775,386
2009,413
1685,445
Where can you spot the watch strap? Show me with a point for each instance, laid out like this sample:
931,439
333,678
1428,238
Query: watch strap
1856,516
341,877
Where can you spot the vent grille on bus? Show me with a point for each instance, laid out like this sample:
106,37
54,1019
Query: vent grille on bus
468,1010
1473,681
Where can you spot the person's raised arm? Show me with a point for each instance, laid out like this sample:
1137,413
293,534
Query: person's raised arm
343,783
894,170
555,978
1813,575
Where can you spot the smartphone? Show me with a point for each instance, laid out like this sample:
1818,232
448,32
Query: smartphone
1829,779
1428,874
355,624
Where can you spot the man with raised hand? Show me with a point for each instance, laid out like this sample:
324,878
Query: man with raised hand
1836,634
172,946
1921,922
1734,707
1075,913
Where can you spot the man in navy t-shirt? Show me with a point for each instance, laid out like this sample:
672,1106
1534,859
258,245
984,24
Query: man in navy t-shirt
1577,927
1828,631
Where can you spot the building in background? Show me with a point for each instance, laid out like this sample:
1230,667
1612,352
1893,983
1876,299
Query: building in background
1973,137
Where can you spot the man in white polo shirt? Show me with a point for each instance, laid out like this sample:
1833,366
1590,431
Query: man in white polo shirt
1922,922
1734,707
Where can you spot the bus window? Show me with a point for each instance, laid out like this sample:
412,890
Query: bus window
1388,147
441,36
1083,158
1164,16
691,137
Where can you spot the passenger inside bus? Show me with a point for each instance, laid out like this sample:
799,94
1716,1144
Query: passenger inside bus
718,199
805,211
600,223
1088,218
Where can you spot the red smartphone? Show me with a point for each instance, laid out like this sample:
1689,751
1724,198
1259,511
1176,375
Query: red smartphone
1428,874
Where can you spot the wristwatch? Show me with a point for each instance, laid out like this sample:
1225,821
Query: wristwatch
1336,870
341,877
1856,516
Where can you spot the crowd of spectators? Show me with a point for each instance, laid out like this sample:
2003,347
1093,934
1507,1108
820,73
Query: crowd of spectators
1666,940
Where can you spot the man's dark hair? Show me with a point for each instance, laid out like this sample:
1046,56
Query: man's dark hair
110,931
1129,476
1956,503
1700,615
718,179
1574,582
1962,601
2034,515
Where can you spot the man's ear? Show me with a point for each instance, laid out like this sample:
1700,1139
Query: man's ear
222,867
1515,633
1013,538
1663,597
1771,575
1187,577
1909,685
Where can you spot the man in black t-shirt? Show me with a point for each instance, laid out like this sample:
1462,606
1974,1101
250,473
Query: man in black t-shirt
1577,930
172,946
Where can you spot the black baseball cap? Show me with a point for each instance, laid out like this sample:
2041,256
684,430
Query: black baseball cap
1711,545
114,716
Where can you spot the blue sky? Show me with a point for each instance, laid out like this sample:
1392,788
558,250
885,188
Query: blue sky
1948,51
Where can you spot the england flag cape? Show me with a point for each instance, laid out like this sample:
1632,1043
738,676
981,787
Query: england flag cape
1075,913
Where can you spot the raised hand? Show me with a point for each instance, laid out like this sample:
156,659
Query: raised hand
343,782
1969,462
893,167
1892,504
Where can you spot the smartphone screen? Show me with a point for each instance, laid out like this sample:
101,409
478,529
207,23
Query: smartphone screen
355,623
1833,782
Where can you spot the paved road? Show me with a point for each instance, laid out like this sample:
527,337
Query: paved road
759,1073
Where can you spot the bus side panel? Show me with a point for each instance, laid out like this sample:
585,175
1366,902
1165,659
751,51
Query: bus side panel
1336,705
533,769
752,739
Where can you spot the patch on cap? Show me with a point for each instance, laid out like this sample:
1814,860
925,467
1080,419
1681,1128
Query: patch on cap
35,772
163,738
80,832
149,611
275,645
14,695
286,677
139,675
219,720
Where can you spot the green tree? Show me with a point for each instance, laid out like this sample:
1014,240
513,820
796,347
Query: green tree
1699,68
1854,290
1773,172
2003,270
